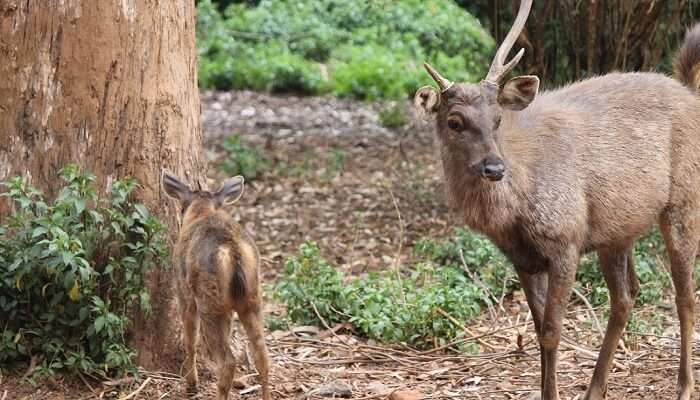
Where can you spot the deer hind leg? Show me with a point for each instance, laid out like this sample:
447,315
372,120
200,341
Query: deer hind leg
618,270
190,325
216,333
252,321
681,230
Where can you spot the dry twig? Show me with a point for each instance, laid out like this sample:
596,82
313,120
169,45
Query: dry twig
137,391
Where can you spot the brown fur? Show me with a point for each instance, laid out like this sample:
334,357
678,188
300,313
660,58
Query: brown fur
589,167
217,272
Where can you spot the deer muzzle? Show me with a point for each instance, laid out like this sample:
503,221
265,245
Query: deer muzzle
491,168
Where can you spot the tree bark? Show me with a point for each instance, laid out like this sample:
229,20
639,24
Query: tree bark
110,85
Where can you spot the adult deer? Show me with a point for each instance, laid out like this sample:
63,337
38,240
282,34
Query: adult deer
587,167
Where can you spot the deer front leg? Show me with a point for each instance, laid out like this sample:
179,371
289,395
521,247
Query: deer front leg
535,288
560,280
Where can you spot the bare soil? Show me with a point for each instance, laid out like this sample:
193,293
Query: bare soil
365,194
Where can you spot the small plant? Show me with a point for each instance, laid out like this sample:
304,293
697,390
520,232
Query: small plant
335,162
72,271
393,116
242,158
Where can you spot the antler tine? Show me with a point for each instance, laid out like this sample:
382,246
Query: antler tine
498,68
443,83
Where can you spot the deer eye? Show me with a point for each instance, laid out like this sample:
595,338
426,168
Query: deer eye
455,124
498,123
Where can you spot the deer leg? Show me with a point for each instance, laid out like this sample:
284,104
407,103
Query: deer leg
216,329
618,270
560,282
681,232
252,321
535,288
190,325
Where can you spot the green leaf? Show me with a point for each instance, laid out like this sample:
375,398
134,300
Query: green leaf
99,324
68,258
39,231
80,206
142,210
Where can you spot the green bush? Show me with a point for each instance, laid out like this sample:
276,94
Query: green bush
242,158
418,308
72,271
373,49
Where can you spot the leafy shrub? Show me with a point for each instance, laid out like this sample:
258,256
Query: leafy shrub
72,271
372,49
242,158
418,309
309,278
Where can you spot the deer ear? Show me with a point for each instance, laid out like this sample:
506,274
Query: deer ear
230,191
426,101
175,188
519,92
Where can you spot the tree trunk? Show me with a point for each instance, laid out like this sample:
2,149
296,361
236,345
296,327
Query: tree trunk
110,85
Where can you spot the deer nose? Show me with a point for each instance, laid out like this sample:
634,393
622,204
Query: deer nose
493,170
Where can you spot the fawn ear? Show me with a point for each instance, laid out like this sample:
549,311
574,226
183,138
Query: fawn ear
426,101
230,191
519,92
175,188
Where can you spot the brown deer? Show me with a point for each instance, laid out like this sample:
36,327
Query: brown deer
587,167
217,272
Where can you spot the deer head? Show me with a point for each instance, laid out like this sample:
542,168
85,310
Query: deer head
196,203
469,115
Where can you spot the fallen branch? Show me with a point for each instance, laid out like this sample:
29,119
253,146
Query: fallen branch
591,311
137,391
464,328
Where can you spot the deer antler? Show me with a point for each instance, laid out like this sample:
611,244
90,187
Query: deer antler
499,69
443,83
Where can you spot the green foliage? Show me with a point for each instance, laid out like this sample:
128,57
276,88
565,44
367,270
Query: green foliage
309,279
481,256
242,158
373,49
72,271
649,257
418,308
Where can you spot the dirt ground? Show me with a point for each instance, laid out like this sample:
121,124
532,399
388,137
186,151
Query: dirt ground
365,194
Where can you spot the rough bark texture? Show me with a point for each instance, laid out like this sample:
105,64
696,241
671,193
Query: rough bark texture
111,85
